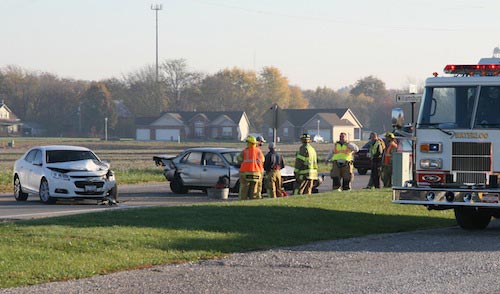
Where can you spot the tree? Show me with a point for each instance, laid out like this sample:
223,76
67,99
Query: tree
297,99
95,106
325,98
144,96
370,86
229,89
273,87
383,102
178,81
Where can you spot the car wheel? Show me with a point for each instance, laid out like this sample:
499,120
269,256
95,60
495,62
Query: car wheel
113,193
177,186
18,190
362,171
44,193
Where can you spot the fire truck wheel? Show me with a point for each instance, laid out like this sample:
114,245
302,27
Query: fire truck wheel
470,218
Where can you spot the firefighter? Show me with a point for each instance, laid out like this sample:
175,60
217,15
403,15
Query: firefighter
273,164
391,147
260,142
342,168
375,152
251,169
306,167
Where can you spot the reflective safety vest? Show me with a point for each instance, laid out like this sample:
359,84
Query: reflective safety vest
252,161
375,148
388,153
342,152
309,163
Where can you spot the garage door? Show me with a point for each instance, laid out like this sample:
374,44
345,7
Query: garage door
142,135
167,134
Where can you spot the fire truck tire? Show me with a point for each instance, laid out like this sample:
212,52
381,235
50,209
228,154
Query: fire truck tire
470,218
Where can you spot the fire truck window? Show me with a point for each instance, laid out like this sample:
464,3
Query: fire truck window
465,106
488,108
448,107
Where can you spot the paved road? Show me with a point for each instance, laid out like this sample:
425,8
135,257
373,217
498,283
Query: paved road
130,196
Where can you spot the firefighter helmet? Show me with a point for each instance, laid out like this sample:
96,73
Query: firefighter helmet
251,139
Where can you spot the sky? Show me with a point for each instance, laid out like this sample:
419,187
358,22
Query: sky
314,43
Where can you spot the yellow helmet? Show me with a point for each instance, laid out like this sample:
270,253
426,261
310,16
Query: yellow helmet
251,139
389,135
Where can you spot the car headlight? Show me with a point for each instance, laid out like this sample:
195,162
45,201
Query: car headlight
427,163
59,176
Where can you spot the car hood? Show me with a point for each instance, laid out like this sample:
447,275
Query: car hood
87,165
287,171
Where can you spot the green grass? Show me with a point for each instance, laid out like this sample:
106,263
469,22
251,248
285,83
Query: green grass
77,246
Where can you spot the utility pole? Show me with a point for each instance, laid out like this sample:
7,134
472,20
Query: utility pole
156,8
106,129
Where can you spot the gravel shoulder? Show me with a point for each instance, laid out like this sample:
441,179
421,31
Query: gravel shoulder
432,261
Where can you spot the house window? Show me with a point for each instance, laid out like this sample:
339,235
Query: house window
227,131
199,129
285,132
270,132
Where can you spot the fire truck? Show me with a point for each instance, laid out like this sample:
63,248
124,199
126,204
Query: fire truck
456,152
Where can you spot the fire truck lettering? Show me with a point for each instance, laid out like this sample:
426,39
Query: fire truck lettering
471,135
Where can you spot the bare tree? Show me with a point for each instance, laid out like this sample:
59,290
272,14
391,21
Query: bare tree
178,81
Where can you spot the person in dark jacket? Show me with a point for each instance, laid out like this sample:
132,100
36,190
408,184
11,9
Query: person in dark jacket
273,163
375,152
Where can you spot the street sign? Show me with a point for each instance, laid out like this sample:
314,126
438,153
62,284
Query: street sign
408,98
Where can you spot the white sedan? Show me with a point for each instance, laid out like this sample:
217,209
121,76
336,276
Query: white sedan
59,171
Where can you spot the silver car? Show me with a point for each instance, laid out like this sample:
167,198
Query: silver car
201,168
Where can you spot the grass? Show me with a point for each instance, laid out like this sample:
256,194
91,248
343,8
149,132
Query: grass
78,246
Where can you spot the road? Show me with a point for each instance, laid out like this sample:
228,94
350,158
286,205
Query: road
130,196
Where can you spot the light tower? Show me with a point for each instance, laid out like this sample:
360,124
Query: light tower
156,8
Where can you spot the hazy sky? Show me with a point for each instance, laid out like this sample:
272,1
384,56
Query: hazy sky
314,43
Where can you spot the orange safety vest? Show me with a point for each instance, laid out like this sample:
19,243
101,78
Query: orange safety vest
253,160
388,153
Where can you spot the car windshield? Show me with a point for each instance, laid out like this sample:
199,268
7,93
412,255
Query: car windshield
54,156
231,157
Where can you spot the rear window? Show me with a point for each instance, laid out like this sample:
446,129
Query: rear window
54,156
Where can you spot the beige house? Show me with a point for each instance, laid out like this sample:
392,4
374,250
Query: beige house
192,125
10,124
328,123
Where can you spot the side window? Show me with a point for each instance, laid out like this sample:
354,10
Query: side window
488,108
192,158
213,159
30,156
38,157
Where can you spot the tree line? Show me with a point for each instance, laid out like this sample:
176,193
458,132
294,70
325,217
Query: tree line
68,107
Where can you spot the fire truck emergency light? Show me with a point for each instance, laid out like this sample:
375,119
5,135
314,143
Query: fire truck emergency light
473,69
